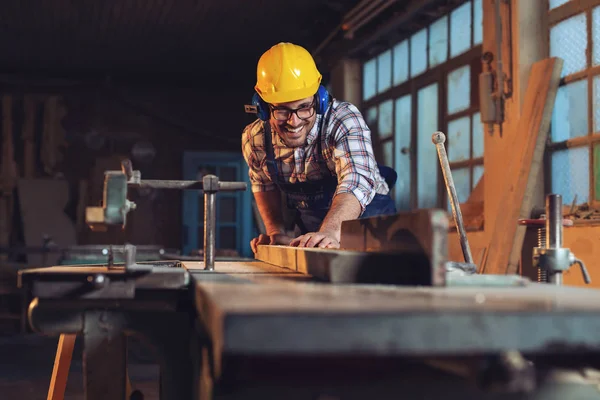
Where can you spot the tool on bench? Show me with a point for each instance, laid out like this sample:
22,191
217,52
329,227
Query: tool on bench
438,138
115,205
550,258
465,273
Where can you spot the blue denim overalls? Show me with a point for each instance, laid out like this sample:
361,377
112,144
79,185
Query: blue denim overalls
312,199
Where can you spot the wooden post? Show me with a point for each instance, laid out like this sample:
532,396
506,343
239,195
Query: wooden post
28,137
346,81
8,174
49,138
62,364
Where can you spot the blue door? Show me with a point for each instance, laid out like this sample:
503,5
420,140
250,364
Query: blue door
234,227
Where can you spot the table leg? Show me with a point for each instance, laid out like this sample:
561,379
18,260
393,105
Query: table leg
104,356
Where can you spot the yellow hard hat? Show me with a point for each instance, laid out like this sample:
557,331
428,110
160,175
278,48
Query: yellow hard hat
286,72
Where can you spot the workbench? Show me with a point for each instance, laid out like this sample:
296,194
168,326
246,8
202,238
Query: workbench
255,330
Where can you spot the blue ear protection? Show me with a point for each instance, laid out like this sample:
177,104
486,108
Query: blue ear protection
264,113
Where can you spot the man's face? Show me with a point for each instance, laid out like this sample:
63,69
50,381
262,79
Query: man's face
293,127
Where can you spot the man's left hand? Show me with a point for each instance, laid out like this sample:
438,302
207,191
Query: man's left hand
324,240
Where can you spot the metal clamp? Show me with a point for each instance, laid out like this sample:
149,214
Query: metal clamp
211,187
116,205
550,257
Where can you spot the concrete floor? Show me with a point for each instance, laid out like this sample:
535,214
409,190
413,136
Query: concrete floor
26,367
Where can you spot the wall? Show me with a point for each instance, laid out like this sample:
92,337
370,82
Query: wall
103,125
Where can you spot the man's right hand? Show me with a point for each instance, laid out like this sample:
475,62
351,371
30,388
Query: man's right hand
276,239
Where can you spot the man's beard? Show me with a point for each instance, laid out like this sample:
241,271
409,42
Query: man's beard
294,136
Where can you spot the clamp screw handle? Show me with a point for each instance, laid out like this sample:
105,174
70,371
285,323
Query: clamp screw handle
584,271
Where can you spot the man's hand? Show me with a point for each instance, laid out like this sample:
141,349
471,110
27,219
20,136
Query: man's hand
278,238
324,240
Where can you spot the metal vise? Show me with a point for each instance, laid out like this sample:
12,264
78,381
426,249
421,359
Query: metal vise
549,257
116,206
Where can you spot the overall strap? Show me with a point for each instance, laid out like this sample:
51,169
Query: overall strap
270,152
324,123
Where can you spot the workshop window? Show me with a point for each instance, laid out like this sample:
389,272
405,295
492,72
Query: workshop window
574,147
424,83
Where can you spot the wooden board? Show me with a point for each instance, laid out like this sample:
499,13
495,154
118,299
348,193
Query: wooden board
423,232
310,318
243,272
345,266
42,203
525,160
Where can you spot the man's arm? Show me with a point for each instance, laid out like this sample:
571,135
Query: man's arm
269,206
344,207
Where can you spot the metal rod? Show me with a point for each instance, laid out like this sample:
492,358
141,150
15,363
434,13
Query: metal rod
556,278
554,234
209,230
438,139
554,231
176,184
357,24
364,15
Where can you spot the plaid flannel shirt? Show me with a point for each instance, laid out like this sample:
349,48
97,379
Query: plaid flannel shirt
347,150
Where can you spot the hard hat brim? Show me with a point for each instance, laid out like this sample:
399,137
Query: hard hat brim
288,96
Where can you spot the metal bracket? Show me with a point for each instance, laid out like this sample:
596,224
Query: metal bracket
115,204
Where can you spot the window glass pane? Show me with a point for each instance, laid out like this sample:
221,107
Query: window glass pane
568,40
460,29
458,139
418,52
570,174
372,117
227,238
462,183
385,116
556,3
438,42
477,22
477,135
596,172
402,137
596,36
384,71
369,79
596,104
570,114
201,210
459,89
227,209
477,174
227,173
401,62
388,152
427,165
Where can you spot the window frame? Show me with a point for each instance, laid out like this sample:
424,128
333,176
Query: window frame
436,74
591,138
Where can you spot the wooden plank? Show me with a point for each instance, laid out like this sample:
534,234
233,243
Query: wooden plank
248,272
423,232
62,364
8,174
346,266
477,193
27,135
374,319
525,160
42,203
